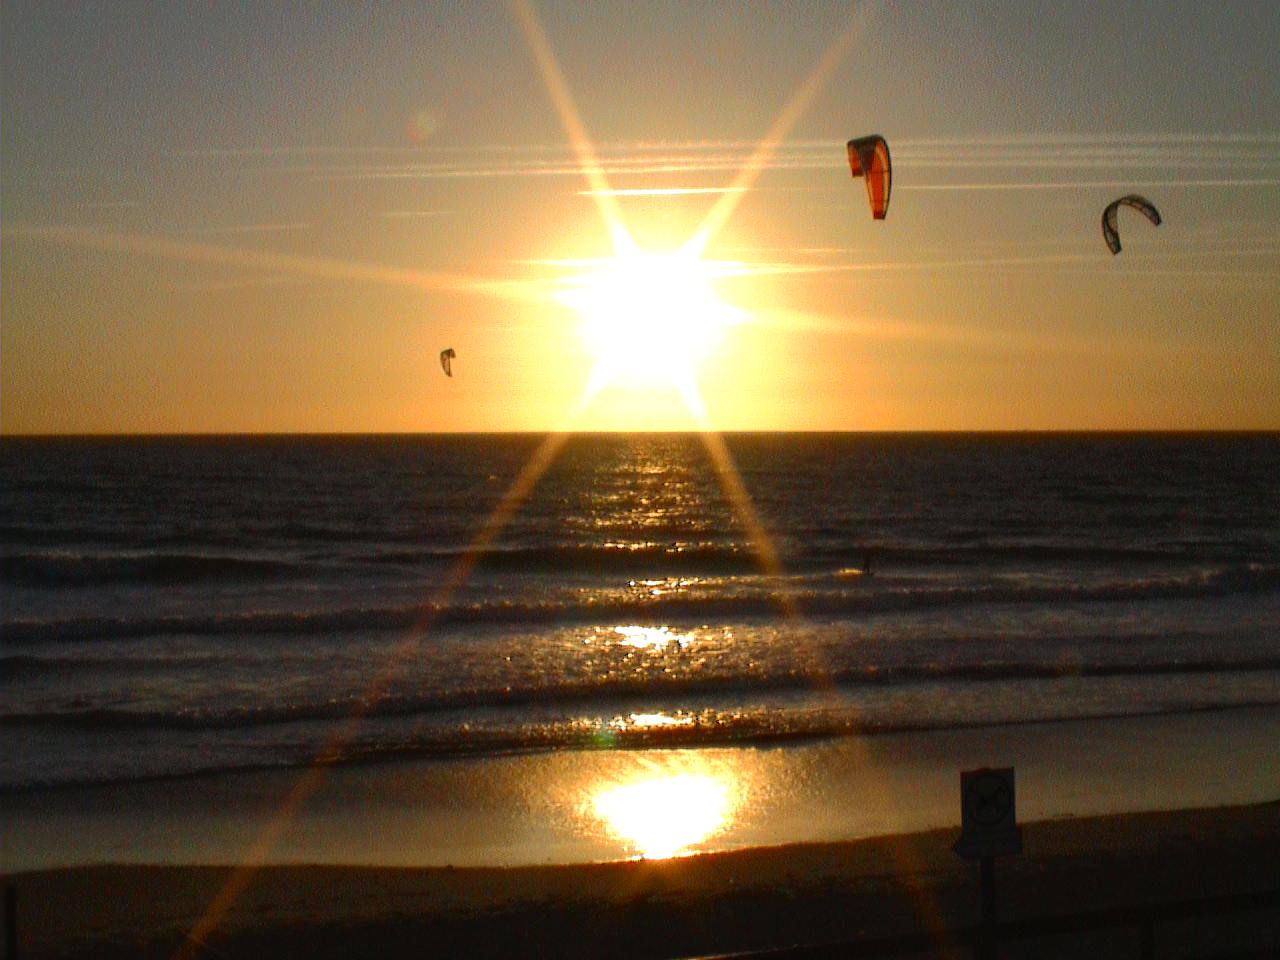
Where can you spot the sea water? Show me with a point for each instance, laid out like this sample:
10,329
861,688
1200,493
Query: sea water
175,606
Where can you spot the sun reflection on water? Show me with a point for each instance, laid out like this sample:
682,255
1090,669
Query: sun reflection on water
657,720
666,810
652,638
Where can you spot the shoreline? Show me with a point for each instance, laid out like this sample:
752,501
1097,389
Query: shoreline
748,742
706,903
538,808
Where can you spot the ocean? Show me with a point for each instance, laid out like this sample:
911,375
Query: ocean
182,606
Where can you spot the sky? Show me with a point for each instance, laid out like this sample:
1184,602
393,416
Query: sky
272,217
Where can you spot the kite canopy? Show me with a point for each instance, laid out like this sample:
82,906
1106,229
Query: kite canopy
446,361
1142,204
869,159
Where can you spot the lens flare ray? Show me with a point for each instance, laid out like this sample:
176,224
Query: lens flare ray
310,781
634,808
794,109
320,268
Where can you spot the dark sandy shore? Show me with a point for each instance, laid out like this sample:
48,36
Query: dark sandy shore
716,903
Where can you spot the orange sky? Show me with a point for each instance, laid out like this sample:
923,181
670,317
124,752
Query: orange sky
232,220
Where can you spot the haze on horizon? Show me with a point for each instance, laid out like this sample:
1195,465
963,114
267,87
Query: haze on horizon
273,217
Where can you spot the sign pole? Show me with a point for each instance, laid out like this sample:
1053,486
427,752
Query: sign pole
987,951
10,922
989,829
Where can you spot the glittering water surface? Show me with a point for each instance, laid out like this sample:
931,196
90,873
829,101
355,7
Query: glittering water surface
173,606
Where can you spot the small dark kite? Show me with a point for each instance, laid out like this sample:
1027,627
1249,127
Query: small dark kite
1141,204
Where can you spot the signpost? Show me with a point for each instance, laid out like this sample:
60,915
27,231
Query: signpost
988,829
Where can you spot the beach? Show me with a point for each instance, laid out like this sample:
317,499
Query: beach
555,807
255,707
416,859
866,890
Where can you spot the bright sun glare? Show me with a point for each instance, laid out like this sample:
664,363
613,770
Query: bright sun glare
665,816
650,318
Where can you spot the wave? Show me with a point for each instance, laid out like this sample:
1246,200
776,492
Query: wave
74,570
837,595
613,695
231,533
700,729
71,570
640,558
294,552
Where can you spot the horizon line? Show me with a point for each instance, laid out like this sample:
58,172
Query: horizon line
990,431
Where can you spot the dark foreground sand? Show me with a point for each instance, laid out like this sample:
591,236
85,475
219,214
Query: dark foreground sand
709,904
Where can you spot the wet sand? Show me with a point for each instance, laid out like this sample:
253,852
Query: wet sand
537,809
895,886
846,839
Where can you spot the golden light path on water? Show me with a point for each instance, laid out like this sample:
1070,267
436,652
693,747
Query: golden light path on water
658,810
665,814
657,804
653,638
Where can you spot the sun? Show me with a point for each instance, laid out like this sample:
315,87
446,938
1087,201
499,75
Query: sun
650,318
